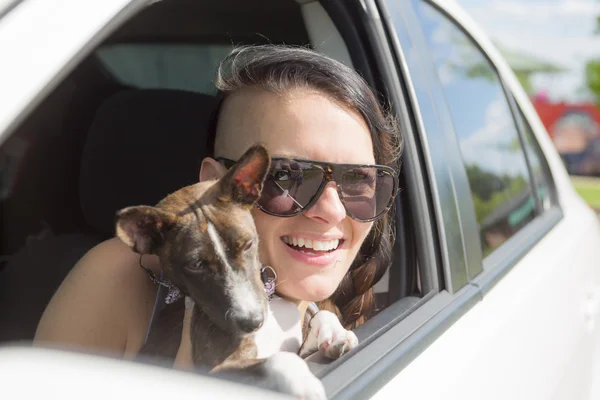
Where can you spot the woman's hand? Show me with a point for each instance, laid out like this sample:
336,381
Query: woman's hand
184,359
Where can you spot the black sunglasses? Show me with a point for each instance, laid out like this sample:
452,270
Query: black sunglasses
292,186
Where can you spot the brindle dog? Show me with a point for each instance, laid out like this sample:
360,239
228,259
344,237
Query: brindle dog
207,244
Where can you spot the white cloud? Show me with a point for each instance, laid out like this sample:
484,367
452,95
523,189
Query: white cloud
441,34
489,146
545,9
446,74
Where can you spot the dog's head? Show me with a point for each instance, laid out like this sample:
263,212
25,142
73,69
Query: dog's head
206,240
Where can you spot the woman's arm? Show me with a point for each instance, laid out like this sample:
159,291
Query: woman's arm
183,359
103,305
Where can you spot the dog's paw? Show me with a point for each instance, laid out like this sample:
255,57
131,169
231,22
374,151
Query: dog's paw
328,336
288,373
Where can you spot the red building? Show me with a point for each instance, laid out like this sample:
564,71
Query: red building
552,112
575,131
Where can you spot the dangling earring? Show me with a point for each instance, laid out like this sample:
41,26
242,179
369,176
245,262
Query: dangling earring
268,280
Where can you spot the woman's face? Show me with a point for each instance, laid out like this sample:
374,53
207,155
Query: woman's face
308,125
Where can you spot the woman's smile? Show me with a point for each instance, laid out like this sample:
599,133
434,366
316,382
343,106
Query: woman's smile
313,249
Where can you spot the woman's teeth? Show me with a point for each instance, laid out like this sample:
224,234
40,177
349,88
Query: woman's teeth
312,244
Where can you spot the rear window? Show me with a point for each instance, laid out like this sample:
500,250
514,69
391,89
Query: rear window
164,65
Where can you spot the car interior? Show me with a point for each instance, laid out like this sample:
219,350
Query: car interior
127,126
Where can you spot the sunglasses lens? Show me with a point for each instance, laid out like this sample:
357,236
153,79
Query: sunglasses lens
289,187
366,191
292,185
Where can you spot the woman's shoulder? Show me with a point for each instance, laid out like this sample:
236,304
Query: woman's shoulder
112,267
104,303
114,257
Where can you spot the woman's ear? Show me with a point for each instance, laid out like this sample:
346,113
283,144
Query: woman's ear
211,169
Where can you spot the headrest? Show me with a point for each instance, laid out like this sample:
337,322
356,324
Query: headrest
141,146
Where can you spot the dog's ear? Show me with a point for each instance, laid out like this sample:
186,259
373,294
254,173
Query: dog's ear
143,227
244,181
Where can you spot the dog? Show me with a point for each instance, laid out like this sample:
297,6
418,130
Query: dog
205,238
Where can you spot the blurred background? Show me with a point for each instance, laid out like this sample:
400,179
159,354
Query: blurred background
553,46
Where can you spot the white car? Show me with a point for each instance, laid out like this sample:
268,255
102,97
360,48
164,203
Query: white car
494,292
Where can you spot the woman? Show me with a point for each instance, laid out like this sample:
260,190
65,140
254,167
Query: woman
325,248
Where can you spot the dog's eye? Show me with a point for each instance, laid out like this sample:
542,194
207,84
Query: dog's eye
248,245
196,266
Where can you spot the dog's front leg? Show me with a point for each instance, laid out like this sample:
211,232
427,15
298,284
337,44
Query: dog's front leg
284,372
327,335
290,374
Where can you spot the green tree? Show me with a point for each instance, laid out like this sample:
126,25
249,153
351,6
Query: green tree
490,191
592,71
483,183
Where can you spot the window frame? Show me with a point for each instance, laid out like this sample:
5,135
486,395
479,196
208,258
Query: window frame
448,182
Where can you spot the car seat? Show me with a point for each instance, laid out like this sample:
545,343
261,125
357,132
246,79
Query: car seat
142,145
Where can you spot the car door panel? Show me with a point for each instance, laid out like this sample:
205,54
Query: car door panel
526,339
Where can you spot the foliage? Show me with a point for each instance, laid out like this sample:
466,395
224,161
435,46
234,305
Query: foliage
592,71
592,78
588,189
489,190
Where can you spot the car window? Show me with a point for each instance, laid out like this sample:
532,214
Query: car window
164,65
489,141
537,162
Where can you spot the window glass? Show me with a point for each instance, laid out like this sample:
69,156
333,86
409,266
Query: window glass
537,162
164,65
487,133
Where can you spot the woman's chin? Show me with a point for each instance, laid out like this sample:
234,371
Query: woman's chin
306,281
310,289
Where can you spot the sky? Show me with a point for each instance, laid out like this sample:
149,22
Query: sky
559,31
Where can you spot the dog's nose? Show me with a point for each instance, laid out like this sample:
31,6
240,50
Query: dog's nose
251,323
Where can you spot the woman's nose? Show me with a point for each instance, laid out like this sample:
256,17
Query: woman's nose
328,208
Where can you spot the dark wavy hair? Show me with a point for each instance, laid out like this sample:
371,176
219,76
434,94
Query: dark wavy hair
280,68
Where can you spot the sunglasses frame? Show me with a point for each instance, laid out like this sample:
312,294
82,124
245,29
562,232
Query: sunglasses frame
330,172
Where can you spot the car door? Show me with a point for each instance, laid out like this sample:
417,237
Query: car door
532,335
